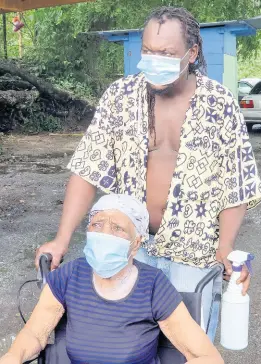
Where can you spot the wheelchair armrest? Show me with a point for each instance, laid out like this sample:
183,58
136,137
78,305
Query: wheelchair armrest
44,268
215,271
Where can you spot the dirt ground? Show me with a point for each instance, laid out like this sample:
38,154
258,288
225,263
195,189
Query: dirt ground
33,177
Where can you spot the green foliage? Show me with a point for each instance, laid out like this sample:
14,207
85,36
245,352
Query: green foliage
79,89
76,59
38,121
247,68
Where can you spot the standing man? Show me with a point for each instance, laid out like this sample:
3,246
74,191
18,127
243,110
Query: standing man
177,141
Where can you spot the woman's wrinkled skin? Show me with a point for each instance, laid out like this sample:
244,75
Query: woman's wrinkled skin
114,222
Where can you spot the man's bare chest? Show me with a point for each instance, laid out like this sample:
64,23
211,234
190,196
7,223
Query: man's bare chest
168,121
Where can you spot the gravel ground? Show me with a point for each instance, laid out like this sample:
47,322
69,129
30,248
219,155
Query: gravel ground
32,182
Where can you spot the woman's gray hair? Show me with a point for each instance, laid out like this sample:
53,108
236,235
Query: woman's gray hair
128,205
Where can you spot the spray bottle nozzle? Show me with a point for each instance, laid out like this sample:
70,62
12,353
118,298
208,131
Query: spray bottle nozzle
238,258
248,263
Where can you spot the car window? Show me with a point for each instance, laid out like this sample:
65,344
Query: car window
256,89
244,87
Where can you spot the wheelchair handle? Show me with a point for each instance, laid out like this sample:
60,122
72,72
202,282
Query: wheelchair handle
45,261
218,269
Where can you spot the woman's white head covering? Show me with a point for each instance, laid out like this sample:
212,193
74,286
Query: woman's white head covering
129,206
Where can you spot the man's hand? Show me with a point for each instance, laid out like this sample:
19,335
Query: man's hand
221,257
54,247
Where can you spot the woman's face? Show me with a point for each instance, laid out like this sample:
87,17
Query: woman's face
114,222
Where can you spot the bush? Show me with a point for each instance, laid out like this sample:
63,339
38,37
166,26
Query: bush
37,121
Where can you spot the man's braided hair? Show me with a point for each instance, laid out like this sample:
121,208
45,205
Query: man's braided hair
191,31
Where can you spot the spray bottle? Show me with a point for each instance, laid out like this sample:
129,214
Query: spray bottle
235,306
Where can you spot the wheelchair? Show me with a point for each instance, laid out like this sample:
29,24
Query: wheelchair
56,353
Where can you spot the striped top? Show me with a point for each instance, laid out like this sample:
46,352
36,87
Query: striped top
111,332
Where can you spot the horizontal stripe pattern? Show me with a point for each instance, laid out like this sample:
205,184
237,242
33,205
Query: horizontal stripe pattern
111,332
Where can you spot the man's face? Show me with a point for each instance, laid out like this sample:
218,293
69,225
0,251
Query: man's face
167,40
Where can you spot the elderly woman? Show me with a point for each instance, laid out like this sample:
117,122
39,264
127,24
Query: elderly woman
116,306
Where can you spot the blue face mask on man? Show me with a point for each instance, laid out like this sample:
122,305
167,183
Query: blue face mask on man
161,70
106,254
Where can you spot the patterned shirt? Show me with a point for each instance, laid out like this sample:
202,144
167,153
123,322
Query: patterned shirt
215,168
101,331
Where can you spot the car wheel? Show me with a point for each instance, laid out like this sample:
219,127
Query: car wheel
249,127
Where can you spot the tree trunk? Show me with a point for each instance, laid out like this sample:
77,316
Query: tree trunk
4,35
8,83
22,94
13,98
45,89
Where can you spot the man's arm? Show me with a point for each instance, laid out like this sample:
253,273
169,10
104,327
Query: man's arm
187,336
230,221
78,200
241,184
33,337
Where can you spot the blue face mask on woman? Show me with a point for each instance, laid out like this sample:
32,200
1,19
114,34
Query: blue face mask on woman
161,70
106,254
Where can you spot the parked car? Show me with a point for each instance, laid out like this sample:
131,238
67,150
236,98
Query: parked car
251,106
245,86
